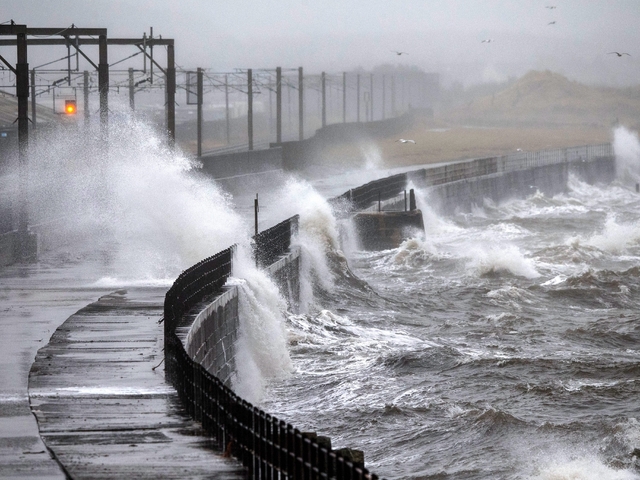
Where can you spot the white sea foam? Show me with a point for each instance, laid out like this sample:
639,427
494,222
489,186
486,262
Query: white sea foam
318,236
261,348
627,151
585,468
140,202
501,258
615,237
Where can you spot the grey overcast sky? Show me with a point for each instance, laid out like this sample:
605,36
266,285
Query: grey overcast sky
442,36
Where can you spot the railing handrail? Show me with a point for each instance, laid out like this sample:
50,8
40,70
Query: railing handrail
264,444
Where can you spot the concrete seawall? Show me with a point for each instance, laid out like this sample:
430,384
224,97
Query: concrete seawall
551,180
210,334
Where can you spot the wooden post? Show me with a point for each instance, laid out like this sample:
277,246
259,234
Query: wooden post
250,107
300,105
279,105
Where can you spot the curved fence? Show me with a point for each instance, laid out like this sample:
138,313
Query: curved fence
267,446
388,188
274,242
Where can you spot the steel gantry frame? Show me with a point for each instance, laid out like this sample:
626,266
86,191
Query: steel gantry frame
71,37
76,37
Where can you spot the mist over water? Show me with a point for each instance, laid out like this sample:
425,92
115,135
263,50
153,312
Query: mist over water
141,205
501,344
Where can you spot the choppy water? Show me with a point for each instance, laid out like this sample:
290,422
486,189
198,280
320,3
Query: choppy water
503,344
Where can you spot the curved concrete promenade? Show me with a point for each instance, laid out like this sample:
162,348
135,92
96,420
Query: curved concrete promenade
104,411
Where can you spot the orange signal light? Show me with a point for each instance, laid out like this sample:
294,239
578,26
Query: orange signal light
70,107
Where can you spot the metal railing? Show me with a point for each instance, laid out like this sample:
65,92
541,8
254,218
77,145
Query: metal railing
274,242
390,188
268,447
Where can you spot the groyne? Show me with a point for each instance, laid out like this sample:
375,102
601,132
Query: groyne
202,318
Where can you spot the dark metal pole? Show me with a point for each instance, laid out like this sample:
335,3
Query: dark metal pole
22,92
68,63
279,105
358,99
200,102
33,99
344,97
300,105
151,55
384,97
226,101
132,103
250,107
256,209
171,94
324,100
393,95
85,105
103,86
371,94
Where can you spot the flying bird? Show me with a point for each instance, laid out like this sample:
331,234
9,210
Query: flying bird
550,7
399,53
618,53
552,23
488,40
403,140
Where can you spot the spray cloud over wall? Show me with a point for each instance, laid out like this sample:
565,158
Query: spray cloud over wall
627,151
143,204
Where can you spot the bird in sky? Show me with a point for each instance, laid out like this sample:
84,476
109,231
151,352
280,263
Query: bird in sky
552,23
619,53
399,53
403,140
550,7
488,40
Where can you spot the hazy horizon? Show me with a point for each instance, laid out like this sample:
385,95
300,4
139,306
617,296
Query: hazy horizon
446,37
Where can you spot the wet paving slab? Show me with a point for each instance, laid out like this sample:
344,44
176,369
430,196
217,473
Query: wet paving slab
102,404
34,300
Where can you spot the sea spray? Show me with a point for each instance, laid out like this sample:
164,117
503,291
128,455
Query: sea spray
615,237
317,237
627,151
142,203
261,348
372,156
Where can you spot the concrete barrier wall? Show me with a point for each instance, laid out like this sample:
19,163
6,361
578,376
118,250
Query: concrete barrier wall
209,337
244,170
550,179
